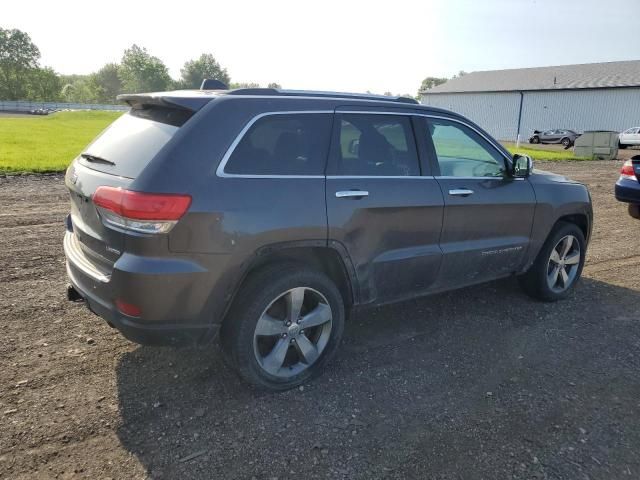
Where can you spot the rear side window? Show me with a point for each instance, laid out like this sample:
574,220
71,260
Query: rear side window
283,144
129,143
376,145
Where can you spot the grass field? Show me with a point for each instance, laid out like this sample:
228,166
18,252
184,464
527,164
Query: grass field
543,152
47,143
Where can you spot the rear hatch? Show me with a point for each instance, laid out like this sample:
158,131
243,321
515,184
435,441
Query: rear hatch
115,158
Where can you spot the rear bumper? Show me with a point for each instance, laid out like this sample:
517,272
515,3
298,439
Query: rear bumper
163,297
628,190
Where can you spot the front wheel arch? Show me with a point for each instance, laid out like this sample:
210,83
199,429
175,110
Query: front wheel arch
580,220
534,280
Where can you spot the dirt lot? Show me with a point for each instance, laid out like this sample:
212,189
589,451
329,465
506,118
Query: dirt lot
478,383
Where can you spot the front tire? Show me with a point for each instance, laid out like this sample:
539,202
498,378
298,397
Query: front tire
535,140
558,266
285,326
566,142
621,146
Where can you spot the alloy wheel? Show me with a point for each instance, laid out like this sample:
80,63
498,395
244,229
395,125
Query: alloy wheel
563,265
292,332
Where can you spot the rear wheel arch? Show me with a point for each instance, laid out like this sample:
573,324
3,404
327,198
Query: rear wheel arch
278,348
330,260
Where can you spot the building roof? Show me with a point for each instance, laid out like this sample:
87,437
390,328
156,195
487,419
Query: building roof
562,77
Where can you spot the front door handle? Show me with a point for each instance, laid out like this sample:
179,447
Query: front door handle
352,194
460,192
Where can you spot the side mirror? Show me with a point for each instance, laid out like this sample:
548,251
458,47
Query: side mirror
522,165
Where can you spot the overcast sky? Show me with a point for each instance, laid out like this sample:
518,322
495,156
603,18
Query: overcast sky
332,45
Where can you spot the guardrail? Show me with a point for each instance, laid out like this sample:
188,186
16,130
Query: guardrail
26,106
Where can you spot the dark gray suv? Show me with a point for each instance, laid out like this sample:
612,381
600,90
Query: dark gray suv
265,215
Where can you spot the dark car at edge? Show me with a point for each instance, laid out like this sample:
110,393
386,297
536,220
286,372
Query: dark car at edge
627,187
265,216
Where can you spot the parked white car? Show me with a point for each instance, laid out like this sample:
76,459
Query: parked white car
629,137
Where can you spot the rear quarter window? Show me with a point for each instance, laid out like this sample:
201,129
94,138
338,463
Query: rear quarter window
283,144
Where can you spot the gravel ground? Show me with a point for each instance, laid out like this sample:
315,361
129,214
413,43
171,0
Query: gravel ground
477,383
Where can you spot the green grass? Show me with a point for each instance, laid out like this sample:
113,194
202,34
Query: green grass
48,143
542,153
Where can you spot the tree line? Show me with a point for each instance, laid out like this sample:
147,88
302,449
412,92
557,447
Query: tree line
23,78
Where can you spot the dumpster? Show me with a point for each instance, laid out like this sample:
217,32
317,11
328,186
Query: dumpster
597,145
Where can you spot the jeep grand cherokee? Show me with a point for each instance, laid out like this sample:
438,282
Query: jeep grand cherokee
266,215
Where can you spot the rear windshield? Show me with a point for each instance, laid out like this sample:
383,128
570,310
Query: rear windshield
129,143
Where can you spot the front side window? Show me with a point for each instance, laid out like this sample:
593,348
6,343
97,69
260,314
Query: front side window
462,152
376,145
283,144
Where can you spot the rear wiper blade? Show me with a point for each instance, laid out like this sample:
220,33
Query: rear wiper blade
93,158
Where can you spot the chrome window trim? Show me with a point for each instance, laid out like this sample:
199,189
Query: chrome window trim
450,177
223,163
428,115
355,177
469,177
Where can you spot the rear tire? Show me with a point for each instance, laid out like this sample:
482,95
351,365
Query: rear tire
555,271
284,327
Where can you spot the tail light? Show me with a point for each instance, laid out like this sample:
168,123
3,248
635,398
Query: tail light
138,211
128,308
627,170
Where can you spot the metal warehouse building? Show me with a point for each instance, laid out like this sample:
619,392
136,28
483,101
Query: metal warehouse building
594,96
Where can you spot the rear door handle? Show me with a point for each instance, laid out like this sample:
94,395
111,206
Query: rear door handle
352,194
460,192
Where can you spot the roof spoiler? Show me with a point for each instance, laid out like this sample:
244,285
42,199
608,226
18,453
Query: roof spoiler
145,100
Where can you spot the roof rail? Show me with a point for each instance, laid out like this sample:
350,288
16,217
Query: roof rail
312,93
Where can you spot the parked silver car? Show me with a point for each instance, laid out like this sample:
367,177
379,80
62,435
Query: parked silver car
562,136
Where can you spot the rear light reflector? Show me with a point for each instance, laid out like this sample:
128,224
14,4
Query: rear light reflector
139,211
128,308
627,170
